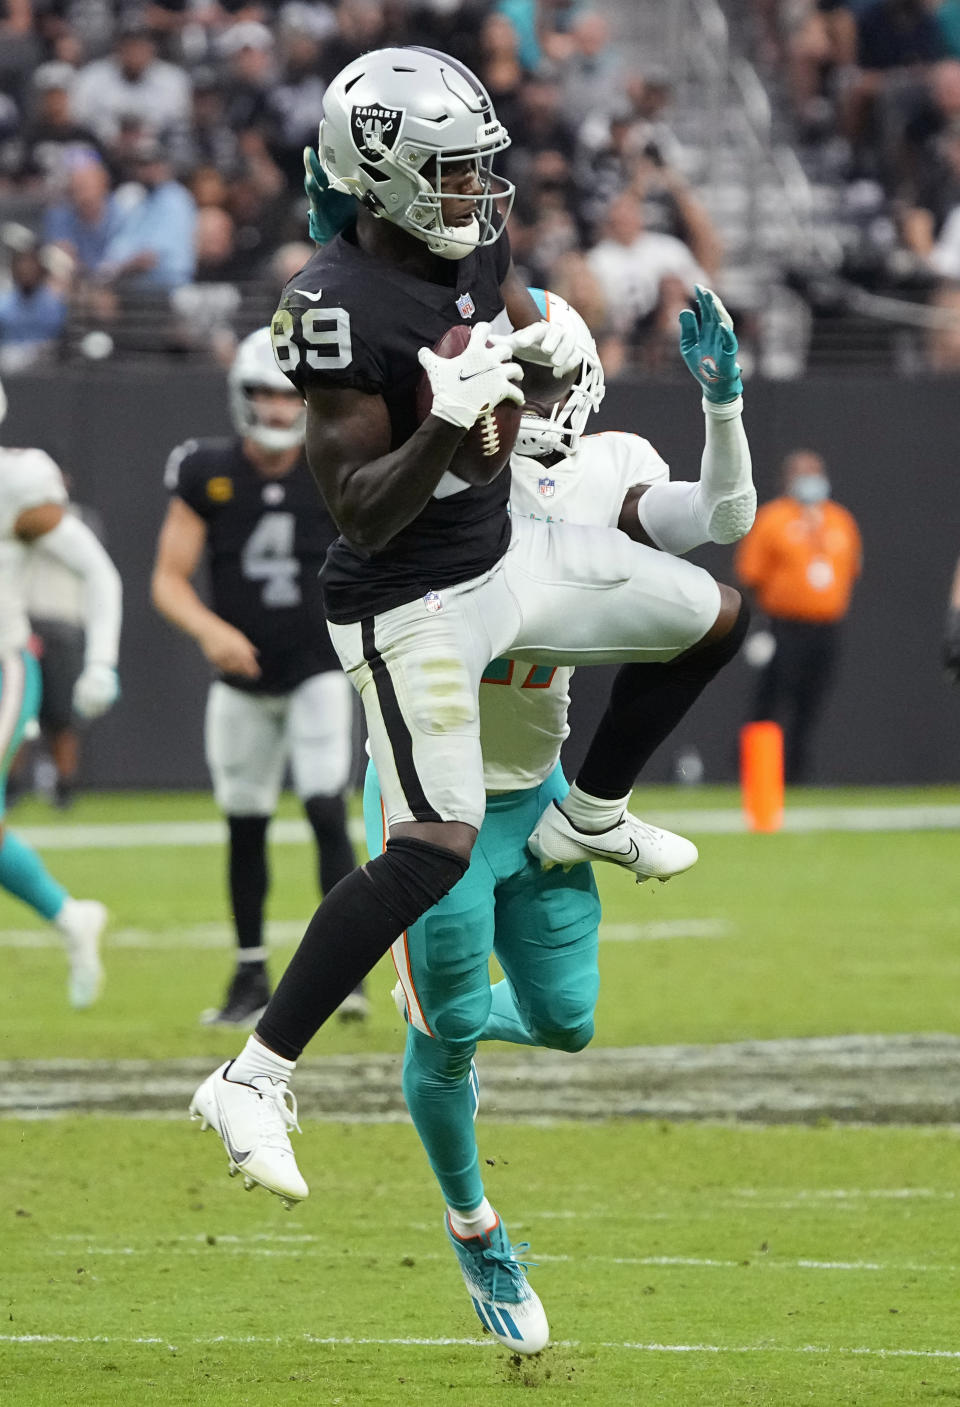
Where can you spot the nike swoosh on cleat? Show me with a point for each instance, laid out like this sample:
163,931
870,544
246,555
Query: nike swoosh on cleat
235,1153
313,297
622,857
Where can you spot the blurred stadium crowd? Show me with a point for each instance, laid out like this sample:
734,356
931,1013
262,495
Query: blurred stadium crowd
871,92
151,196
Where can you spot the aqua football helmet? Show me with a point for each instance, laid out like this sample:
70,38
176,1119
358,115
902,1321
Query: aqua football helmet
559,431
395,122
255,369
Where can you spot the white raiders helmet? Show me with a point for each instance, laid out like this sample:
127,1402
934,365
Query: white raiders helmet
394,121
560,431
255,369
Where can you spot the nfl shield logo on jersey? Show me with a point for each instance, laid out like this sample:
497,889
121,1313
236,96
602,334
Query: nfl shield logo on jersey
374,127
432,601
546,487
465,306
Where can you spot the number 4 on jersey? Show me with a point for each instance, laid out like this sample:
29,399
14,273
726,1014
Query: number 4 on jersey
268,556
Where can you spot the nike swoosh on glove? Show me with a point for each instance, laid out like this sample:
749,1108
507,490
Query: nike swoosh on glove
467,385
708,345
97,689
544,344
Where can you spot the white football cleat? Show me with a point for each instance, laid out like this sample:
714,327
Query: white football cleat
252,1120
647,851
82,921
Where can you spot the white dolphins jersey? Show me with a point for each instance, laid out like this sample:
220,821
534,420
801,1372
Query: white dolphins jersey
28,478
523,707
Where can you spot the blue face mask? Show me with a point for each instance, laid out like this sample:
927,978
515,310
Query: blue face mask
810,488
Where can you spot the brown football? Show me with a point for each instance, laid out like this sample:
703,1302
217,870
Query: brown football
485,448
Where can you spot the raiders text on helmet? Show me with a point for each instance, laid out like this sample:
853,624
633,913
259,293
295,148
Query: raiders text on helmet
395,121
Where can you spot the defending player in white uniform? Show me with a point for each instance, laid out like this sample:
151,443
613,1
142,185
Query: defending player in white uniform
540,923
32,502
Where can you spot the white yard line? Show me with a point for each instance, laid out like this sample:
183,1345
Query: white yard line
335,1341
665,930
284,931
292,831
240,1246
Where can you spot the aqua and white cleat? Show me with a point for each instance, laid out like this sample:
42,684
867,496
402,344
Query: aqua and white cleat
497,1284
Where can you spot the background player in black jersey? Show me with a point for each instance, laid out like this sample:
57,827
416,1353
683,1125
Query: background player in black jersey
429,579
250,506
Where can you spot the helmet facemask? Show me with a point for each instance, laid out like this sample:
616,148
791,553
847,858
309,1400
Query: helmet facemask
255,369
424,216
559,431
274,438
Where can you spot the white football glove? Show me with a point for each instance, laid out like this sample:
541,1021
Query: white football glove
546,344
479,378
96,690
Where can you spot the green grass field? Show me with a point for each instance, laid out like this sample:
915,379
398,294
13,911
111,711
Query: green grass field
682,1263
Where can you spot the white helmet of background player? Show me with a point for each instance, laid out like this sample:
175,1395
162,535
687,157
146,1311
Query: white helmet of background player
560,431
394,121
255,369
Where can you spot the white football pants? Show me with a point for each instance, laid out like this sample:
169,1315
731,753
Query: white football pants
562,594
250,738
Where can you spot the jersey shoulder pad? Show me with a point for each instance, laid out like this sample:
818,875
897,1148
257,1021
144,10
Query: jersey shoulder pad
28,478
173,470
196,468
635,458
502,255
326,328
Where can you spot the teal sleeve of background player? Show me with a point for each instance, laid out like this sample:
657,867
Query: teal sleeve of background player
372,811
23,874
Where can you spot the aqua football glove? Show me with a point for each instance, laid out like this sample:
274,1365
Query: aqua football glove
708,345
330,211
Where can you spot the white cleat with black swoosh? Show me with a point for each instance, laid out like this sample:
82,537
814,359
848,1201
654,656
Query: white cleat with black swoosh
647,851
252,1120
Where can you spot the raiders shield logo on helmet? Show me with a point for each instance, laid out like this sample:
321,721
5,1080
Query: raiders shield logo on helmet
375,128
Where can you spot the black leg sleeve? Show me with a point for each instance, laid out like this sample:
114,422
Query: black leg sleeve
647,702
350,932
328,817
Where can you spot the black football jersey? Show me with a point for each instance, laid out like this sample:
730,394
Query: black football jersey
349,319
266,543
